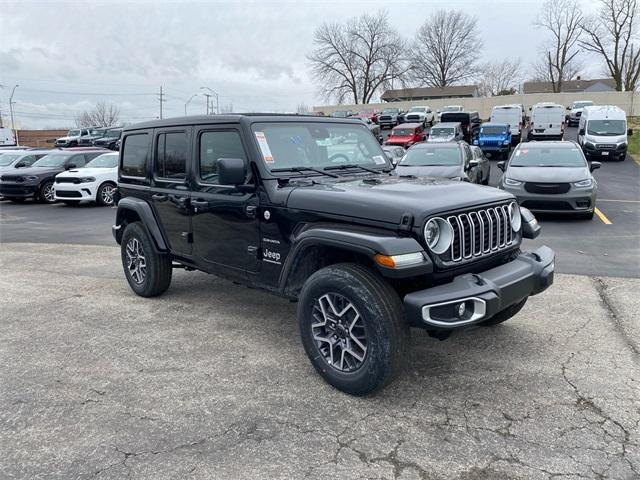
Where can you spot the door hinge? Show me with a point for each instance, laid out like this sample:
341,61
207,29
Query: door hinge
406,224
188,236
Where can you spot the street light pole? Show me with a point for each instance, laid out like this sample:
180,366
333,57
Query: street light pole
213,94
188,102
13,129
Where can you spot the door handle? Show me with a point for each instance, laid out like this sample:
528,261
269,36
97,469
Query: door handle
179,200
199,203
160,197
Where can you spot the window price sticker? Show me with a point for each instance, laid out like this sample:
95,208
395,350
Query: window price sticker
264,147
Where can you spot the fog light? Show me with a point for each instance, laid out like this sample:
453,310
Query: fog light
462,309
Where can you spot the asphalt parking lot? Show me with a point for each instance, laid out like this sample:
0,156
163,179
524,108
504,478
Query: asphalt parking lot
211,381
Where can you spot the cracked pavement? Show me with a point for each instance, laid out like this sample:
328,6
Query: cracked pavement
211,381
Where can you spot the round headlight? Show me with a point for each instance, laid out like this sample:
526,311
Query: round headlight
515,217
438,234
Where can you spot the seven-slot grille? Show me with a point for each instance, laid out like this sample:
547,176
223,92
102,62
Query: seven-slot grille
491,143
480,232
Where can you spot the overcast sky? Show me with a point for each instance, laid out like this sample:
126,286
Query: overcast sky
68,56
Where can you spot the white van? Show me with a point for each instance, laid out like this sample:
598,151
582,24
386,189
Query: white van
512,115
547,121
7,138
602,132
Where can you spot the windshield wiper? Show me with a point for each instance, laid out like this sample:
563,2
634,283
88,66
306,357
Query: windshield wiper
354,165
304,169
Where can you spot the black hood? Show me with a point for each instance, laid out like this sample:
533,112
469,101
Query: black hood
386,199
36,171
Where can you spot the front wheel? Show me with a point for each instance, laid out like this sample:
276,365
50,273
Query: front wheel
46,193
104,195
147,270
353,328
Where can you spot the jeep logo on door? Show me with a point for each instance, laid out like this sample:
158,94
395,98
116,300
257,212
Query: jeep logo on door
271,257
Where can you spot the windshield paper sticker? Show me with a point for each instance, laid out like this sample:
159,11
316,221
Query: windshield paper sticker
264,147
379,160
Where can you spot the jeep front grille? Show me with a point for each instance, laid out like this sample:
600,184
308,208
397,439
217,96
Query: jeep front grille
480,233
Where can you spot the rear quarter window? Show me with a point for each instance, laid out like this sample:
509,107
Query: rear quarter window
135,155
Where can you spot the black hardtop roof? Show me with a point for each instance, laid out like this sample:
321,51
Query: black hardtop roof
237,118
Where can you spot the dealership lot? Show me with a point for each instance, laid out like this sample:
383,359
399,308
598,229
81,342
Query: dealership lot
211,381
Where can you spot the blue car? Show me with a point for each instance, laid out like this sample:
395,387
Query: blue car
494,139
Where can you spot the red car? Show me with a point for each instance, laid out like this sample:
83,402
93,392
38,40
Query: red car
370,114
406,135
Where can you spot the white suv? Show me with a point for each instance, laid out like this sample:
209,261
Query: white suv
95,182
73,137
419,114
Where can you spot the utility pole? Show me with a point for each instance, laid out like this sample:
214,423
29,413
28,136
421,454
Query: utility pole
212,94
207,95
162,100
11,102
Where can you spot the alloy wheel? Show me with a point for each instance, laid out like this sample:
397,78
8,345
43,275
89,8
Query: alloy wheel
49,193
107,194
339,332
136,262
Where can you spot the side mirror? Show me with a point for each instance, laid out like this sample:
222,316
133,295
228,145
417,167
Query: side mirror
231,171
594,166
501,165
473,163
630,132
568,108
581,131
70,166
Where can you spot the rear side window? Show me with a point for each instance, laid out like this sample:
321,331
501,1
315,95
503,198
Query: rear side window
135,151
78,160
171,156
213,147
28,160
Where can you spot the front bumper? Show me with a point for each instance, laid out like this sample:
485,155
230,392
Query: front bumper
75,191
604,154
574,201
484,294
18,190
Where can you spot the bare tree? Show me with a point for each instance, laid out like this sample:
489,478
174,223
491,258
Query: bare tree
103,115
446,48
562,18
357,59
303,108
500,77
540,70
612,33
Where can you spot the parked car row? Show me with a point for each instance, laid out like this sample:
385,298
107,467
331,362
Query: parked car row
98,137
69,175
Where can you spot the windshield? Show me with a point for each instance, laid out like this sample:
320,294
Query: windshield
73,133
493,130
97,131
441,132
451,109
7,159
432,156
418,109
461,117
391,110
581,104
108,160
548,157
317,145
606,127
402,132
53,160
112,133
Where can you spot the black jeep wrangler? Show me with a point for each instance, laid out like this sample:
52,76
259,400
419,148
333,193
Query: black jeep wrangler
306,208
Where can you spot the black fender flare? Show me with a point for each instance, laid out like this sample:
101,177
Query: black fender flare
366,243
145,213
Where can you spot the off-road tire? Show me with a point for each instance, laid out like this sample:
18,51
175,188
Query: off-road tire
43,195
379,306
158,269
505,314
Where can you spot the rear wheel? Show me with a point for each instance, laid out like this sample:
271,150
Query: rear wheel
46,193
147,270
505,314
352,327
